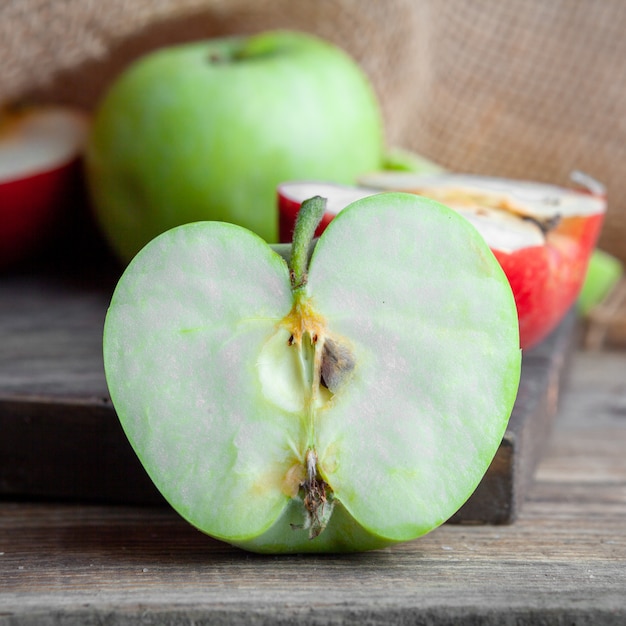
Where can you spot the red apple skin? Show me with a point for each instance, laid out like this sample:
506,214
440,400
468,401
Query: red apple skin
545,280
287,213
41,176
31,206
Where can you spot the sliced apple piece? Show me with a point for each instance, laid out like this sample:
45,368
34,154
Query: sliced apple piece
542,235
40,150
291,196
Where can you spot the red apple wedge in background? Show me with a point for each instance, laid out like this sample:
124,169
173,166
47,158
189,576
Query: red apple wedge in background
40,150
542,235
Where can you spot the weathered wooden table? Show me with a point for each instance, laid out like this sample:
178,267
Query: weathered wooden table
562,561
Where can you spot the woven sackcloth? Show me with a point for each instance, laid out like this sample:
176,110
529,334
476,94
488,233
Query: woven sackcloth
521,88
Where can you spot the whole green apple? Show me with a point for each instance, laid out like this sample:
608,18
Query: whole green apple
207,130
348,400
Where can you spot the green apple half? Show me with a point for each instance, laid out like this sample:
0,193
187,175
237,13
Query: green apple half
207,130
341,403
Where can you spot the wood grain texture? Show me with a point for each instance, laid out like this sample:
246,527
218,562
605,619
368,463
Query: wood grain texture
61,437
562,562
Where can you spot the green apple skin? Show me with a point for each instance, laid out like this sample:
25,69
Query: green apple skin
201,370
207,130
402,160
603,273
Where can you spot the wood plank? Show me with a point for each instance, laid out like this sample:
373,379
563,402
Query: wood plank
562,562
605,325
61,438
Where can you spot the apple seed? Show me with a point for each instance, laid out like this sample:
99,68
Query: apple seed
337,363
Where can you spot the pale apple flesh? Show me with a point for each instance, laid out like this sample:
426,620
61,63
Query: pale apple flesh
355,408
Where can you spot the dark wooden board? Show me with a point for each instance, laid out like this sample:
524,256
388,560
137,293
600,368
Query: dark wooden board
562,563
60,438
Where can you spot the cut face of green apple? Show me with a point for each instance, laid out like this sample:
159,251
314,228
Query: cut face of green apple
341,404
542,235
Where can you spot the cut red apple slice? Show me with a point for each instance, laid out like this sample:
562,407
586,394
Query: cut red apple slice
291,195
40,149
542,235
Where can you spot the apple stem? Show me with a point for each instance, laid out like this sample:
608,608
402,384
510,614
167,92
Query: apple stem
309,217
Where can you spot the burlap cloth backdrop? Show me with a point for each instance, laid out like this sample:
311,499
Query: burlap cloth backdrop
522,88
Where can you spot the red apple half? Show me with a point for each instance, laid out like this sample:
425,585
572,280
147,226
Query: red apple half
542,235
40,150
